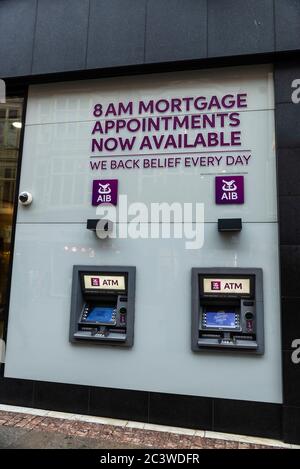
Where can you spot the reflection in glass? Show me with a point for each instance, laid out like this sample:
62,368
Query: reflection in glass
10,115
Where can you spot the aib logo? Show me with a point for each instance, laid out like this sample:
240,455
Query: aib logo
229,189
216,285
105,192
95,282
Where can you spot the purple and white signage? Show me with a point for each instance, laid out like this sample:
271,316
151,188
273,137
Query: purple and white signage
216,285
105,191
163,133
229,189
174,124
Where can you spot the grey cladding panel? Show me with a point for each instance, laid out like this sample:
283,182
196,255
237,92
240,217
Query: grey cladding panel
17,19
287,24
284,75
287,125
61,36
116,33
43,36
240,27
176,30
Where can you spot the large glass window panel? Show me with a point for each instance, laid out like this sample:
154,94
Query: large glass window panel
10,130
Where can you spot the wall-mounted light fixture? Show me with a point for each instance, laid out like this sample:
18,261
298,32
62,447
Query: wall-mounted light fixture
17,125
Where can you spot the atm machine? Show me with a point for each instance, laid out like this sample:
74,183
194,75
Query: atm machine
227,310
102,305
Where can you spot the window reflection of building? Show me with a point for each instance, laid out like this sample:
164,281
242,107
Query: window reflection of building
10,128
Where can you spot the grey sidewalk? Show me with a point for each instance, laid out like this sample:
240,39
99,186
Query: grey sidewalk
40,429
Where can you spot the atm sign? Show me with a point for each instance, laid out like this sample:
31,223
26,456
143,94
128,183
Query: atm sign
226,285
104,282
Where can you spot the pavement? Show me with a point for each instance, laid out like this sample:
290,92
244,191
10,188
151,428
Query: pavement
22,428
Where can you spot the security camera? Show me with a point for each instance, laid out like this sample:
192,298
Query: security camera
25,198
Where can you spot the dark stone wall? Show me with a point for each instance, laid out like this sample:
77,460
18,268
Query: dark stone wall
43,37
288,151
220,415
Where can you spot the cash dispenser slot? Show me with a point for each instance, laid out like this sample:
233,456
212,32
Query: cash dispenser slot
227,310
102,309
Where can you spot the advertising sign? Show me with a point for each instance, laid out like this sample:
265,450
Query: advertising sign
226,285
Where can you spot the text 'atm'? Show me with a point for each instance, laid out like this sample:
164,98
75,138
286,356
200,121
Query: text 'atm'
227,310
102,305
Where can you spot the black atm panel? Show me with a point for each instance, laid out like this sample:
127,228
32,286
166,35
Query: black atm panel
227,310
102,308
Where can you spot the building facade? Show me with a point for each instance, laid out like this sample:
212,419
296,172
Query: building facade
182,117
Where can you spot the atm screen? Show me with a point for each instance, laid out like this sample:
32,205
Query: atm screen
102,315
220,319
